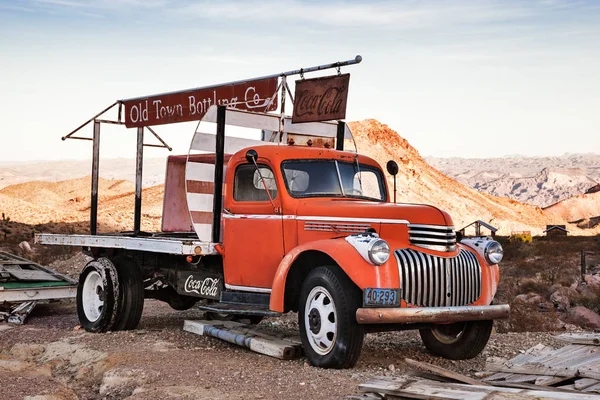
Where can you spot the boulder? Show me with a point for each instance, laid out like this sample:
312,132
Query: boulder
25,247
583,317
563,298
592,280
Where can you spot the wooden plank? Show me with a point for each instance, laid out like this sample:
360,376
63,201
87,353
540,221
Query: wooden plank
33,275
498,376
595,388
434,369
260,342
530,386
552,380
583,383
522,378
531,369
580,338
424,389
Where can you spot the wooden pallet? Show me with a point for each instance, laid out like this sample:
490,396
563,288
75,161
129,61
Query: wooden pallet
270,344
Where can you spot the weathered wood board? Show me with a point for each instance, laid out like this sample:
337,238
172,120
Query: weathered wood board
284,348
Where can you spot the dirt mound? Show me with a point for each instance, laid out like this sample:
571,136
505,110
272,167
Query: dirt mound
419,182
576,208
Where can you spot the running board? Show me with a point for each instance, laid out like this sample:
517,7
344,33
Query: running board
270,344
240,309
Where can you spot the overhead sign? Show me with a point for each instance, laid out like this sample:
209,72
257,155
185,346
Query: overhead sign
191,105
321,99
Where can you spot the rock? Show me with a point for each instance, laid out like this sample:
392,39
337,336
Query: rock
25,247
592,280
583,317
121,382
563,298
15,365
27,352
530,298
546,306
392,367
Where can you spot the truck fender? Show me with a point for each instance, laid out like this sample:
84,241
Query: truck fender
362,273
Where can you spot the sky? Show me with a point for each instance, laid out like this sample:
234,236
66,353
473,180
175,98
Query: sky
456,78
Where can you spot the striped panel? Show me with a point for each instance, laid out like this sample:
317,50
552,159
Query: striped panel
200,202
207,142
204,232
202,187
245,119
201,217
195,171
431,281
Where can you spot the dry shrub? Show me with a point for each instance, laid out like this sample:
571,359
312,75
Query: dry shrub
589,299
526,317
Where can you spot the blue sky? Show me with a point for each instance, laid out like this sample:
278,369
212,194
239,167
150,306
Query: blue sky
459,78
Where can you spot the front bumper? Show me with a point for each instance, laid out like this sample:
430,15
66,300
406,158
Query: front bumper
430,314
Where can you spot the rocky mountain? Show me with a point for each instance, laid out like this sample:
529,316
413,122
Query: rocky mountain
540,181
582,210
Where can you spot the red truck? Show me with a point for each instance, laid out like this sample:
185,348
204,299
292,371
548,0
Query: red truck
294,223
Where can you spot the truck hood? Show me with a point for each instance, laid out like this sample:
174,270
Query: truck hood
369,211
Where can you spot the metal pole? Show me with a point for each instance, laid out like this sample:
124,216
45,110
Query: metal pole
219,159
139,163
341,132
338,64
282,116
95,170
89,120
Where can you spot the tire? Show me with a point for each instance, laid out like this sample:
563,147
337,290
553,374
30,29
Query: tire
459,341
97,296
130,304
327,294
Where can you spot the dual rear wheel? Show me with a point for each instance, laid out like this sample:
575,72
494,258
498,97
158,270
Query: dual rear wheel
110,295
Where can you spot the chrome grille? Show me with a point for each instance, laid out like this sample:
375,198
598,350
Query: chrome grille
430,281
433,237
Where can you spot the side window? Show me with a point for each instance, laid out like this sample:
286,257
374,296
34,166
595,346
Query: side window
248,186
367,184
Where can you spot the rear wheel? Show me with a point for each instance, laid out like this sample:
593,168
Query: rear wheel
458,341
97,296
131,294
331,338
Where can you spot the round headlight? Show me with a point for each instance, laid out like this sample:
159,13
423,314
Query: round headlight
379,251
493,252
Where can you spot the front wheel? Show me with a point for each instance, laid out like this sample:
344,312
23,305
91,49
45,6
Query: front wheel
458,341
330,336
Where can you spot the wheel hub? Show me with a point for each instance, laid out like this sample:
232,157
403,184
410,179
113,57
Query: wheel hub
314,320
320,320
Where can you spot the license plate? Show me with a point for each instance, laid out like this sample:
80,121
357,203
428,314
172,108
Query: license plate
381,297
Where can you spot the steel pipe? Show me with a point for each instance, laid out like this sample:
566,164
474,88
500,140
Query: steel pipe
430,314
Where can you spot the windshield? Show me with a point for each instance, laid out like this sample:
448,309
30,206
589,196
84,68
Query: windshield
331,178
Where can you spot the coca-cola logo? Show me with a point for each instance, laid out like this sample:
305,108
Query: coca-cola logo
321,99
202,287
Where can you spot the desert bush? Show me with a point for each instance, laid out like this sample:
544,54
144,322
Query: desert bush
589,299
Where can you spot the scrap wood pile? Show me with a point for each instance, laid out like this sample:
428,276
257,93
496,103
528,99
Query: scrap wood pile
571,372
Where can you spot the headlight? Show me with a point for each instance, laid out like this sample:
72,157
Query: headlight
493,252
379,251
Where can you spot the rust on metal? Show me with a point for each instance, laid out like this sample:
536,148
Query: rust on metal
431,314
191,105
321,99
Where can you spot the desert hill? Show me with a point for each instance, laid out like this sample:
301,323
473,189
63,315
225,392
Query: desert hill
419,182
584,209
540,181
65,205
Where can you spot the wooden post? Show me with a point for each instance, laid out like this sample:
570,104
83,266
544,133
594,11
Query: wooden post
583,266
139,163
95,170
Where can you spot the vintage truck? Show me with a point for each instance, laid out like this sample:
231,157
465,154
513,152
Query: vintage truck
257,229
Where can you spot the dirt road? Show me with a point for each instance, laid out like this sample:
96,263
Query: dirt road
50,356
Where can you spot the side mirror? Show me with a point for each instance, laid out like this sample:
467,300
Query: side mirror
251,156
391,166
